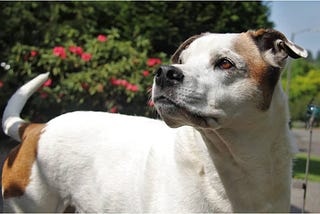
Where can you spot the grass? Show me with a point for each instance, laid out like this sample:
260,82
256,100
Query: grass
299,166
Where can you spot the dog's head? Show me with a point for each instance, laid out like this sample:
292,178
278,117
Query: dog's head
217,78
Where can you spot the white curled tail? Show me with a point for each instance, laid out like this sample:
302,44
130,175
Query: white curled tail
11,120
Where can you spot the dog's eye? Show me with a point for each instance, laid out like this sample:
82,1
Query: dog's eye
225,64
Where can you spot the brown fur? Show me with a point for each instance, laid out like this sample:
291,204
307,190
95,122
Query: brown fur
263,74
17,167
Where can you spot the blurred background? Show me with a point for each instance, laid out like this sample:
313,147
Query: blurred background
101,56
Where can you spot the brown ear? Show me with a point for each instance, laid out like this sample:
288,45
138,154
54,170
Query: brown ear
183,46
276,47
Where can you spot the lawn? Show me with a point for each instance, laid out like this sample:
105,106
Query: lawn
299,166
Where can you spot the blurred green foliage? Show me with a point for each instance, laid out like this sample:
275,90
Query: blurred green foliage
304,86
104,73
165,23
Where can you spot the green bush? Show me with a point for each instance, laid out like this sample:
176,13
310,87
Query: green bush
101,72
165,23
304,86
304,89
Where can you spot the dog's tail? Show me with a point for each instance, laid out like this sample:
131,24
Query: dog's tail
11,120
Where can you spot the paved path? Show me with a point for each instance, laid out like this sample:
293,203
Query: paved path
313,188
312,196
303,137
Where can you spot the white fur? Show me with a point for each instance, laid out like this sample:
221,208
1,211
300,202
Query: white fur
237,158
11,116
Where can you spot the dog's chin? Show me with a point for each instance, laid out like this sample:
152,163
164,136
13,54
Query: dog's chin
175,115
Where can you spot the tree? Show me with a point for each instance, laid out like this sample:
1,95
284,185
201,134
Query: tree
166,24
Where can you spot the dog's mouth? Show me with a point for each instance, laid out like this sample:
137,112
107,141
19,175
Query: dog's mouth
162,100
177,114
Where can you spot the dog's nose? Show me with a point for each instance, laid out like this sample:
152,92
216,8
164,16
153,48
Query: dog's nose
167,75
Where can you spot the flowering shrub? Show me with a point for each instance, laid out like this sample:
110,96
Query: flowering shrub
102,38
58,51
92,73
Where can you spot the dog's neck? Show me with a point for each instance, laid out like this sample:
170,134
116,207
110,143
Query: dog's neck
254,163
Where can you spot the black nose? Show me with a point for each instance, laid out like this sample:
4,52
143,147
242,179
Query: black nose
167,75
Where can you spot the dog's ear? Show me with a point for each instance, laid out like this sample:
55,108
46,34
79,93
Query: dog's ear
175,57
275,47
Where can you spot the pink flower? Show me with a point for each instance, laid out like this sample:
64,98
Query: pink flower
132,87
128,87
115,81
145,73
72,49
100,88
86,57
113,110
118,82
1,84
76,50
153,61
59,51
47,83
150,103
85,86
33,53
123,83
44,95
102,38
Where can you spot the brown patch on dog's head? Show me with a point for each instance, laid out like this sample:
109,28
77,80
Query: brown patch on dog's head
265,52
259,70
17,167
175,57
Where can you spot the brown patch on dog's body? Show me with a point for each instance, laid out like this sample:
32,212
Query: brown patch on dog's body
17,167
260,71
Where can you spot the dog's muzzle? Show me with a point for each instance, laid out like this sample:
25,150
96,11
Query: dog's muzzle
174,102
167,75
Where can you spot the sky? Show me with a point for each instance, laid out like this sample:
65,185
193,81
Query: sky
295,16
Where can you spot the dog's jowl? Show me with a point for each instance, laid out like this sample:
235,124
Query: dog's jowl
224,145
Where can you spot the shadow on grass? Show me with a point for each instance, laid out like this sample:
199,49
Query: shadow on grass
299,167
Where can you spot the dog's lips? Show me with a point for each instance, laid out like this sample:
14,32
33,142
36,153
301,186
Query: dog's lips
163,100
165,105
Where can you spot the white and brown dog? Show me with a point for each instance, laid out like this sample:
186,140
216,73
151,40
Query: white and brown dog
231,152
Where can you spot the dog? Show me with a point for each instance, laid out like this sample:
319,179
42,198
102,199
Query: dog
228,147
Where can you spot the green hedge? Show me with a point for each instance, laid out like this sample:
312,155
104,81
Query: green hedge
100,73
